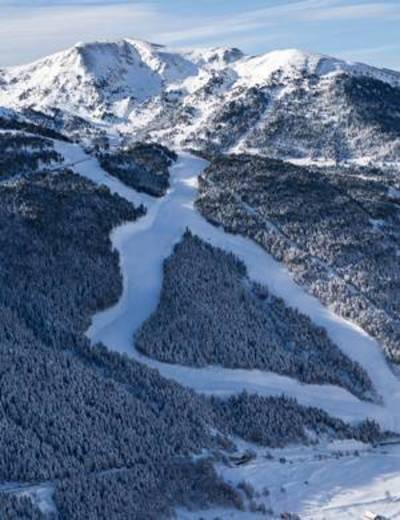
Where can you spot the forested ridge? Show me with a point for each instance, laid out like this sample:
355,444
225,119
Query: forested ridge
211,314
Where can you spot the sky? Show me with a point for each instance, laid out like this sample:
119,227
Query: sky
357,30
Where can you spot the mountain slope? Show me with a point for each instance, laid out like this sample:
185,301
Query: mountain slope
296,105
90,78
288,104
336,229
104,433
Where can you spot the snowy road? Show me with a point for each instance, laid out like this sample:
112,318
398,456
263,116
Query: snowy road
143,245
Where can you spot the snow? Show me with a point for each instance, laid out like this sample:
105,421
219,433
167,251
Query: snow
129,77
394,194
80,78
324,482
338,486
258,69
40,494
241,145
7,113
143,245
89,167
214,57
340,480
132,75
143,86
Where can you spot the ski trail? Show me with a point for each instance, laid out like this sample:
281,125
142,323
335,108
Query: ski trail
143,246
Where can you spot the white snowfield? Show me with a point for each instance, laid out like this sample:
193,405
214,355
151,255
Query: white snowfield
141,89
128,73
340,481
143,246
313,482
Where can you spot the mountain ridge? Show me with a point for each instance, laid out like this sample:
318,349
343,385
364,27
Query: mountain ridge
289,104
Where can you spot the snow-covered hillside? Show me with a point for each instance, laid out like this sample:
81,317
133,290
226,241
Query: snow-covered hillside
288,274
89,79
318,481
286,103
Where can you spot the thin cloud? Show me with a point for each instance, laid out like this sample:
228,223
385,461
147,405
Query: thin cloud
383,55
355,12
68,3
370,50
30,33
242,22
274,16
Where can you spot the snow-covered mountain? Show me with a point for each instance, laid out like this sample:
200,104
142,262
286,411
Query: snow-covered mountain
89,79
288,103
218,335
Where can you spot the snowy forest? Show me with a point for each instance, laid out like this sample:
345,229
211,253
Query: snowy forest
281,118
211,314
114,438
142,166
337,229
23,153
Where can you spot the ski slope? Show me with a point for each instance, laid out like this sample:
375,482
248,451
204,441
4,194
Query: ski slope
143,246
314,481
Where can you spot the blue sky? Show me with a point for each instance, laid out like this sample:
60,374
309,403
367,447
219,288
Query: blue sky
362,30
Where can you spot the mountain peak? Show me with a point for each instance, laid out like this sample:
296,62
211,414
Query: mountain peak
292,62
221,56
191,96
